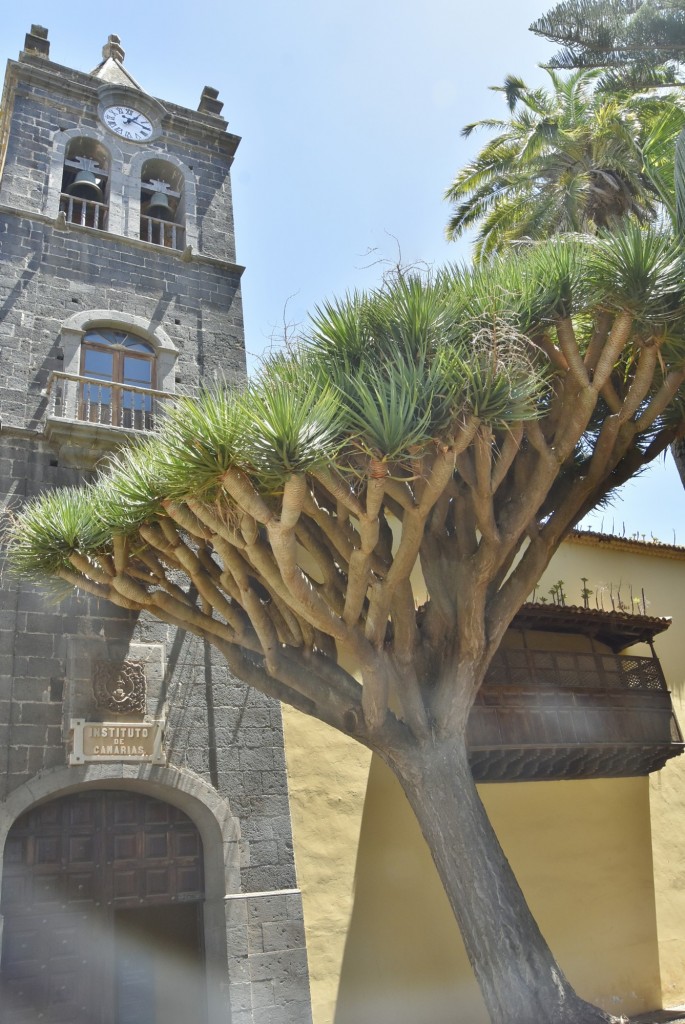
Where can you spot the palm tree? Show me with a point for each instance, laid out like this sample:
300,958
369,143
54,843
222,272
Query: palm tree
579,158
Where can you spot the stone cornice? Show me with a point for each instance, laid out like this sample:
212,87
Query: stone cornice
137,243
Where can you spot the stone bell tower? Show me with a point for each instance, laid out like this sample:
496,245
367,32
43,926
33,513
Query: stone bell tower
148,869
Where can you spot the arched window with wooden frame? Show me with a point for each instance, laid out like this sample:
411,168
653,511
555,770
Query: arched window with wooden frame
119,368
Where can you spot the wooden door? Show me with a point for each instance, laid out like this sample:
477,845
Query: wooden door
70,867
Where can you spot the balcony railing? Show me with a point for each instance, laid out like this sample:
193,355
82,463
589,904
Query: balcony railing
77,399
83,211
162,232
569,670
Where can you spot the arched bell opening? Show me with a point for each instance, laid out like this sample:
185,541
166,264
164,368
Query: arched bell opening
162,204
102,900
84,197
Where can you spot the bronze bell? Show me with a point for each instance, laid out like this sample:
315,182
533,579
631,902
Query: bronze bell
159,207
85,186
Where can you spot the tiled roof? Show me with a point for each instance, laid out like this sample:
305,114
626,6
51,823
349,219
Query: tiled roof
610,540
616,629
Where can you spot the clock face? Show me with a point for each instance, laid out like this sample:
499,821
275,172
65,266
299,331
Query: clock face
129,123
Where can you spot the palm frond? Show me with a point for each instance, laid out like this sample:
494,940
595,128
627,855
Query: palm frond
514,89
588,156
679,182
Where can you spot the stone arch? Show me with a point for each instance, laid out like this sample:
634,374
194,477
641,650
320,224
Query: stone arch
61,143
211,814
188,200
75,326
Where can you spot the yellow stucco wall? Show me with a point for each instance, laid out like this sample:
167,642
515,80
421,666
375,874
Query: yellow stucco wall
327,780
577,849
662,575
381,939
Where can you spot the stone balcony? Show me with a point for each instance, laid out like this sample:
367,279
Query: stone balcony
87,418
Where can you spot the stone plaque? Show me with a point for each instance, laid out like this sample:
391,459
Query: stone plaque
117,741
120,687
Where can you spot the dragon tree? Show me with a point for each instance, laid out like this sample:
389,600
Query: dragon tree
356,528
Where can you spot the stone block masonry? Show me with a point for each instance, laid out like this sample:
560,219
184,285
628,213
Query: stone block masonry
225,764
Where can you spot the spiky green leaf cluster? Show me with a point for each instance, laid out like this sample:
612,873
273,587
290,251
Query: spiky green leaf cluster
51,528
130,491
198,442
436,351
291,420
639,271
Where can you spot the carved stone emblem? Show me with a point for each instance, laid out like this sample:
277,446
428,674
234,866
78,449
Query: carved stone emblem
120,686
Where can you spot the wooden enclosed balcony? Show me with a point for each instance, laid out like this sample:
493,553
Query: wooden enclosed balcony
547,713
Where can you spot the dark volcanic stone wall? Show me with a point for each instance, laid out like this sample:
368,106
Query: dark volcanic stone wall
224,741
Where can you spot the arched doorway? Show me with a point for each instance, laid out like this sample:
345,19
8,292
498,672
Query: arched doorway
102,902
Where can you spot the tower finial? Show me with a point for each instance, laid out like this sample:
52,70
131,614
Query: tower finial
209,101
113,49
37,41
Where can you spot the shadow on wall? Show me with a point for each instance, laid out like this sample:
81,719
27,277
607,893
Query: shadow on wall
394,970
582,853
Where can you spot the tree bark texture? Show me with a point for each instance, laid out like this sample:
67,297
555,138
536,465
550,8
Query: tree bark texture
520,981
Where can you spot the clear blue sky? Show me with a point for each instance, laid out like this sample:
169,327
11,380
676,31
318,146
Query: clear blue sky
350,116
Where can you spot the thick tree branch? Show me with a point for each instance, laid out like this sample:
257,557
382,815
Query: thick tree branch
600,333
407,552
508,452
569,346
333,483
482,492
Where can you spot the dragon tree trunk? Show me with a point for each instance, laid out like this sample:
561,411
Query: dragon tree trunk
518,976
